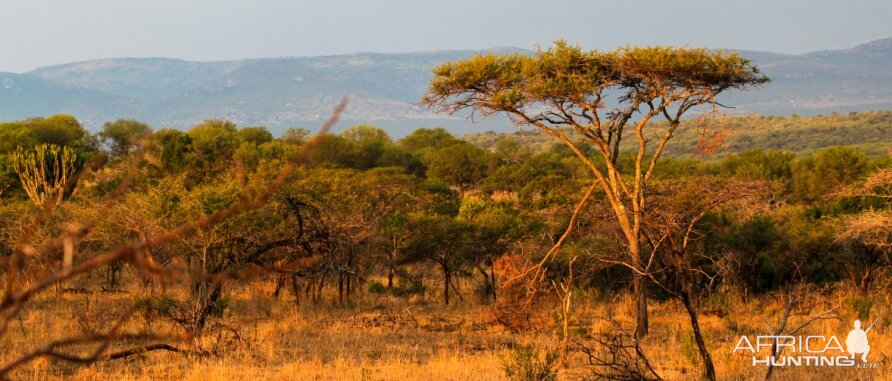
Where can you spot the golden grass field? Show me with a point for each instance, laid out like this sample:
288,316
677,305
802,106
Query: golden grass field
387,338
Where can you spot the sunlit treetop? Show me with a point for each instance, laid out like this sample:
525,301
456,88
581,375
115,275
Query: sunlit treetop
578,82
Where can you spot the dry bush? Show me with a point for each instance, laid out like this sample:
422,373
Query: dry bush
517,308
614,354
872,228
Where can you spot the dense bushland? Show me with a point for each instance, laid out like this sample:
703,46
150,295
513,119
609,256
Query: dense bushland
428,214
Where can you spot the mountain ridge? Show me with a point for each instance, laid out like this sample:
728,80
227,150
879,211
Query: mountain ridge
282,92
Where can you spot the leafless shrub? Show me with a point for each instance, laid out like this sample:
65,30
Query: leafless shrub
797,298
867,235
872,228
615,355
877,185
519,296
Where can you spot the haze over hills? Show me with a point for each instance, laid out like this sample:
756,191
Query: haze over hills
299,92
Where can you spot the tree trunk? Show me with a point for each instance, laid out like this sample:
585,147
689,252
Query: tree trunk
565,341
709,369
280,282
864,284
295,288
308,291
489,281
390,271
317,297
446,280
347,286
340,288
492,282
639,288
206,302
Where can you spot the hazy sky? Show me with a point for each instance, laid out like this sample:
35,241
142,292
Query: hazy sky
37,33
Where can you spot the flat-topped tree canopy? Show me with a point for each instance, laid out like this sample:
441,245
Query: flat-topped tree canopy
567,73
566,86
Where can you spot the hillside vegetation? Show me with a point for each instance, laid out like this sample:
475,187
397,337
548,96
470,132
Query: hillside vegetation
869,132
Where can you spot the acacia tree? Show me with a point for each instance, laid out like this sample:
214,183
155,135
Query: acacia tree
599,95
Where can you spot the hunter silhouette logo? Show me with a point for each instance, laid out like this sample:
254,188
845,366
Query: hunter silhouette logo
857,341
814,350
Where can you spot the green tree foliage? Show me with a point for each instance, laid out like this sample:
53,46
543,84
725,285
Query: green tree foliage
826,171
758,245
332,151
460,165
122,135
254,135
445,242
366,134
171,150
759,165
511,151
365,147
60,130
296,136
428,139
14,135
213,145
256,145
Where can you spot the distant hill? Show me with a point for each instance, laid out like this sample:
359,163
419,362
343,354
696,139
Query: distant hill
299,92
856,79
870,132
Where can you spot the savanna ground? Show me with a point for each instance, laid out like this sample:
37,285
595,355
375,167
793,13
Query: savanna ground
388,338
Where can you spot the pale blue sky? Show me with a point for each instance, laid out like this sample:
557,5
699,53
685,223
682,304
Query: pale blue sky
37,33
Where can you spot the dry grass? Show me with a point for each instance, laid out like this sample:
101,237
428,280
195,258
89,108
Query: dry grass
383,338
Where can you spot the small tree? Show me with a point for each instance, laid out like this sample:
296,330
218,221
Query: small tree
460,165
47,173
599,95
443,240
681,264
122,135
366,134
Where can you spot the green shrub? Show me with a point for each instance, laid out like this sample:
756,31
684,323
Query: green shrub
530,363
219,307
688,347
406,287
718,302
861,305
154,306
376,287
